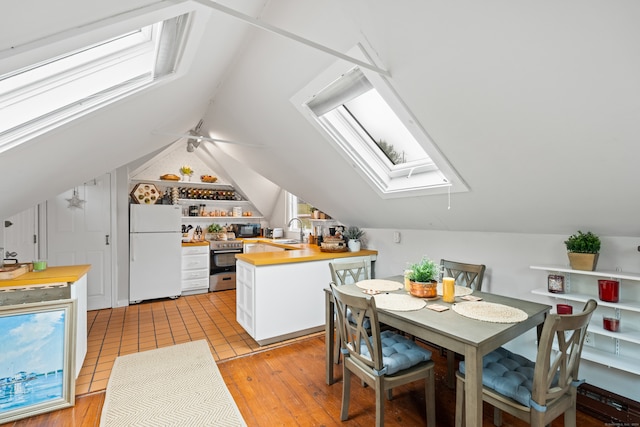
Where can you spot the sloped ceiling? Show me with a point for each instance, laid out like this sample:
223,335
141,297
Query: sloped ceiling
124,131
536,105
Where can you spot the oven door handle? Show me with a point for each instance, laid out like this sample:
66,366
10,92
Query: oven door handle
230,251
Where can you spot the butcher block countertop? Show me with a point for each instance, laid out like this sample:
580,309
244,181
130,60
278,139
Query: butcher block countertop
68,273
198,243
295,252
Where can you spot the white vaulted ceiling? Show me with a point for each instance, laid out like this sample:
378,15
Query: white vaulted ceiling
535,104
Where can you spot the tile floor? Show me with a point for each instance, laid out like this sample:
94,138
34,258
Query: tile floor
160,323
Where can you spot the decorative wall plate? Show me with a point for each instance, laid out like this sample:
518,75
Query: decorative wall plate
145,194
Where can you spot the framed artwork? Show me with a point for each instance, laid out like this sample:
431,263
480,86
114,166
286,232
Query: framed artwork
37,372
556,283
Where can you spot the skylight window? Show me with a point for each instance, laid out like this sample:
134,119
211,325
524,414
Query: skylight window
359,112
42,96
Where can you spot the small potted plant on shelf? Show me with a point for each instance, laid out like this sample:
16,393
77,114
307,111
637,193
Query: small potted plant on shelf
583,250
186,171
216,232
353,235
423,278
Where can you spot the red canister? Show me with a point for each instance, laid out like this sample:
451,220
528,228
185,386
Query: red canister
611,324
564,309
609,290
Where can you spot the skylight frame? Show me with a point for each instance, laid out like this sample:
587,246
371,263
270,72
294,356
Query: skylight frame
60,44
435,177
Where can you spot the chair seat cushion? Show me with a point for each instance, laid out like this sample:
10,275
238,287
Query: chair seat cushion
507,373
399,352
352,319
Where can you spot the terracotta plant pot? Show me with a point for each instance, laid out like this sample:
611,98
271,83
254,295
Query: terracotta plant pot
424,289
586,262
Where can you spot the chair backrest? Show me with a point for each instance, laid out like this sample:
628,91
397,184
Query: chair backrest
344,273
355,337
557,368
467,275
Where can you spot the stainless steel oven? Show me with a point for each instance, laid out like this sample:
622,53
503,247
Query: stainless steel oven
223,264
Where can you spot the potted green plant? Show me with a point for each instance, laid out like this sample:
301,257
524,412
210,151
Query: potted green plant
423,278
583,250
215,232
353,235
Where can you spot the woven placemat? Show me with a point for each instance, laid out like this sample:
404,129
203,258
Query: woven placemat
489,312
399,302
460,291
379,285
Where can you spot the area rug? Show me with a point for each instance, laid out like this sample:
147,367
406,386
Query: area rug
171,386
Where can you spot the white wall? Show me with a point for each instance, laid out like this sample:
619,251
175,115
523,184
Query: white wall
508,257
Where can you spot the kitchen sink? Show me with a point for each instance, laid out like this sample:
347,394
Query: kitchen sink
285,241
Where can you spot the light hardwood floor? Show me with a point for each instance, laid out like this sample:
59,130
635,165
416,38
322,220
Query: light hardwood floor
279,385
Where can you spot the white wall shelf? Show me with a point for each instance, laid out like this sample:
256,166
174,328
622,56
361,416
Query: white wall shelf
214,202
243,219
623,304
606,350
193,184
605,358
599,273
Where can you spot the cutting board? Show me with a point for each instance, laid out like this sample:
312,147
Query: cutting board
13,271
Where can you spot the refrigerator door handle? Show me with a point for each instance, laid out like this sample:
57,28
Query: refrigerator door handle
132,247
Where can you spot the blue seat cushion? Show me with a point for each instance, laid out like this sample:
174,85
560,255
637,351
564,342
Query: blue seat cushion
507,373
366,323
398,352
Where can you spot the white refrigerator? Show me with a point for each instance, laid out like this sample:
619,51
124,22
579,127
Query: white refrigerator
154,252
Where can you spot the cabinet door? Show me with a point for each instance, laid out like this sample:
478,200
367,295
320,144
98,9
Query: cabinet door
194,262
245,296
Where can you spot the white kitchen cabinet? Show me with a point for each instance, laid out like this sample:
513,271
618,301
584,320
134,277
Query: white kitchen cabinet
79,293
282,301
278,302
195,269
620,350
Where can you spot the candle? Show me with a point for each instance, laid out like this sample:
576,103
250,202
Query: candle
448,289
407,282
39,265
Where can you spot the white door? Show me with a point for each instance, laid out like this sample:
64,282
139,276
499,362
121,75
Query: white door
20,236
79,232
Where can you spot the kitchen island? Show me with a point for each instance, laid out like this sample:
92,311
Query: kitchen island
52,284
280,294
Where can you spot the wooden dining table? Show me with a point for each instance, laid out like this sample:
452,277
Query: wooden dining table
469,337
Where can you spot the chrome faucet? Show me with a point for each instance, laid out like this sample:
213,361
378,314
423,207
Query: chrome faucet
301,228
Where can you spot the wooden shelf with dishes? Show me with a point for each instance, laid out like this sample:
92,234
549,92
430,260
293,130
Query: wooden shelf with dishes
214,209
230,219
181,183
617,349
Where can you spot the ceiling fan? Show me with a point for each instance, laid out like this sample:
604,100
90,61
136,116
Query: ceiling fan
195,137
